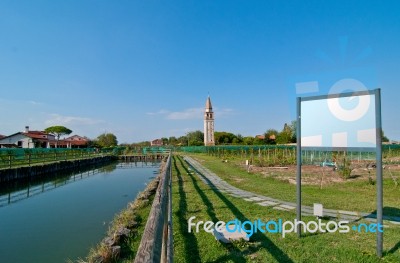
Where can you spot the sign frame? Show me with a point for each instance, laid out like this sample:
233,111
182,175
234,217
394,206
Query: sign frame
377,149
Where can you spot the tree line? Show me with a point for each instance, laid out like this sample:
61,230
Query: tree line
196,138
271,136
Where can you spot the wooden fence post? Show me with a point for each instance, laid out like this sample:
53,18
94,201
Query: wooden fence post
153,246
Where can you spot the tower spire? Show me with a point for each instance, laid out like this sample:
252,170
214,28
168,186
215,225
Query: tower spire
208,104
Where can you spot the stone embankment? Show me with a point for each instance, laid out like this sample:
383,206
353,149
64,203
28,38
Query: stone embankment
25,172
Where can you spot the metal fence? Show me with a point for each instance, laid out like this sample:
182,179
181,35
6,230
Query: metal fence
11,158
267,155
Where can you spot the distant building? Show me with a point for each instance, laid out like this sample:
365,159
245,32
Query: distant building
156,142
2,136
76,141
261,137
27,139
40,139
209,124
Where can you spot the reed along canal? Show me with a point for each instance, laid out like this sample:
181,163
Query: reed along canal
62,217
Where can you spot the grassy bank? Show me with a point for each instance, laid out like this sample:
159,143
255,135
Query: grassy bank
191,197
349,195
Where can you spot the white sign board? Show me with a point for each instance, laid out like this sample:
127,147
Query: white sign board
339,121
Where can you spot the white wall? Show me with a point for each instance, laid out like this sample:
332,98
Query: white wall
26,141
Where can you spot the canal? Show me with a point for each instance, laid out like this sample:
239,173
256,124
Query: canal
62,217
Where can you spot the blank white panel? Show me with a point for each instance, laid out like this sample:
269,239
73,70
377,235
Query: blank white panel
339,122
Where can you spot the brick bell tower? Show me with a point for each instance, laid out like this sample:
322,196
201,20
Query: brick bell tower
208,124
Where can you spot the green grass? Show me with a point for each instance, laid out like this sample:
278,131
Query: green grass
355,196
191,197
130,247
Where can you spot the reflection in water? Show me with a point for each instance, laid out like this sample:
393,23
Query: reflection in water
19,190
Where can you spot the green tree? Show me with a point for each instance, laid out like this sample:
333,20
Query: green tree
239,138
173,140
58,131
183,141
165,141
293,127
258,141
248,140
107,140
285,136
223,137
195,138
384,138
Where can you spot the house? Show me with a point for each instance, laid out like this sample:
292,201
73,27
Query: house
41,139
261,137
76,141
27,139
156,142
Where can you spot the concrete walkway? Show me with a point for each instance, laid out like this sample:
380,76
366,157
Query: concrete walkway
217,183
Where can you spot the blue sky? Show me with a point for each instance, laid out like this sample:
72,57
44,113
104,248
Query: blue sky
143,69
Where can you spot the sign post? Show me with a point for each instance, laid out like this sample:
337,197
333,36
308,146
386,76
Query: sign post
298,174
379,183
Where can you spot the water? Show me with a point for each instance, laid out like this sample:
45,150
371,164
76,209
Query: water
62,218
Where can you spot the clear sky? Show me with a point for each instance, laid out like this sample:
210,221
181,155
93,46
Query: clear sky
143,69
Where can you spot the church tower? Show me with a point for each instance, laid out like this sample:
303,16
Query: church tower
208,124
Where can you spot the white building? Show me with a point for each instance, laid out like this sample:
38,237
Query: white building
27,139
41,139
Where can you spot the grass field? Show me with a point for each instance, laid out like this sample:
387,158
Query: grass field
191,197
347,195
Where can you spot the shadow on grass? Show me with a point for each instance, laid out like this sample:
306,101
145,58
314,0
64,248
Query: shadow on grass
266,243
393,249
235,254
190,243
389,213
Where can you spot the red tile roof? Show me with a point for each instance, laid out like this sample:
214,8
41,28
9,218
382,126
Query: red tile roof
77,138
36,134
156,142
